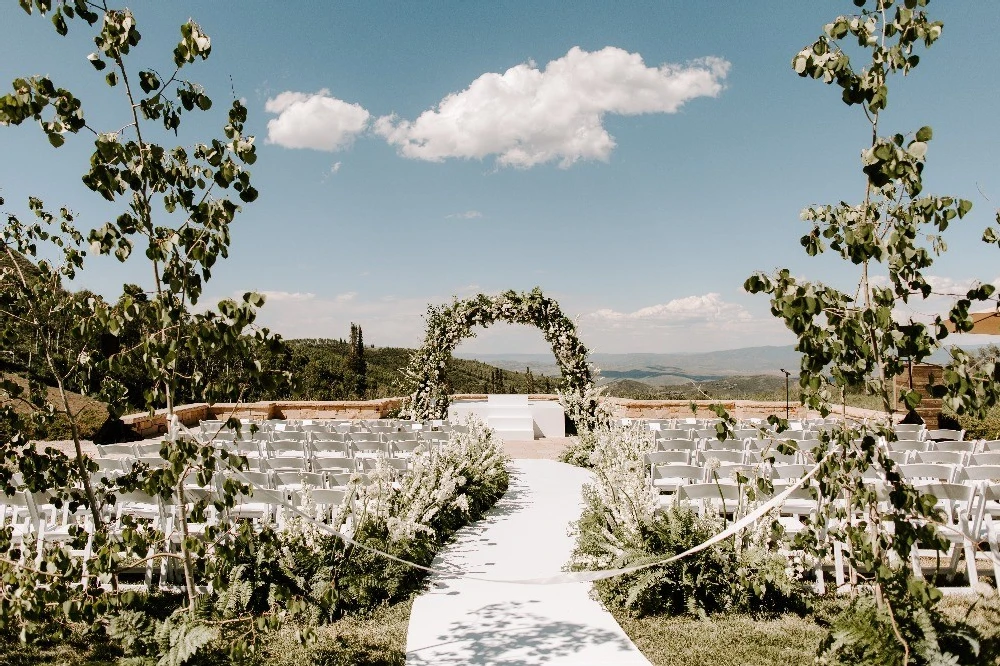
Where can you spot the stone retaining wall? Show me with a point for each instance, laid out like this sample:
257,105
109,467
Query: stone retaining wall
150,425
741,409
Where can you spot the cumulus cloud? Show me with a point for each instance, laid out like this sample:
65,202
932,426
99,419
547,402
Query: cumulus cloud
528,116
709,308
335,167
314,120
467,215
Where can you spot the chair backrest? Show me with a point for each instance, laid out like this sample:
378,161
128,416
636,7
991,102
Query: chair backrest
314,428
980,473
147,448
284,463
900,457
407,447
952,445
727,445
400,465
286,448
676,445
935,471
298,478
706,433
104,450
722,456
338,479
22,512
713,492
248,449
290,435
907,445
666,458
944,457
322,448
674,433
746,433
958,495
259,479
991,445
789,471
908,430
328,463
329,497
726,472
679,472
109,466
945,434
990,458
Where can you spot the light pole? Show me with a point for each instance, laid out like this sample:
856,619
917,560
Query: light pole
788,408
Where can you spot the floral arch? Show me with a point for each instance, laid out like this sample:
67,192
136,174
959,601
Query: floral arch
449,325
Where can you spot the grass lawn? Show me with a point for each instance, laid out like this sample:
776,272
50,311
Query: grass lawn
728,640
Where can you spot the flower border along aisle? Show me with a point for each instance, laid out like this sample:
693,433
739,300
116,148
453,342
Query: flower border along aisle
447,326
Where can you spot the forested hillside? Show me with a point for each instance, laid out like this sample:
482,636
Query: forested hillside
324,369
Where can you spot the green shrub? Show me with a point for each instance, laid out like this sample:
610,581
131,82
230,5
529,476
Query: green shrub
623,524
864,634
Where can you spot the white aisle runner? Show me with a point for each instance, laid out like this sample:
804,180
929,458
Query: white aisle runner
524,536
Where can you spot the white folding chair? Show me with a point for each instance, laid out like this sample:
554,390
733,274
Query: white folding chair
666,458
945,434
722,499
738,457
933,472
942,457
106,450
667,478
324,448
334,464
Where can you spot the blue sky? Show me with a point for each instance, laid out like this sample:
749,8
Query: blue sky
638,184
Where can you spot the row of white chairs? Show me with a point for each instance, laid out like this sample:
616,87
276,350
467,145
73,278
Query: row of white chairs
325,426
34,519
968,497
392,444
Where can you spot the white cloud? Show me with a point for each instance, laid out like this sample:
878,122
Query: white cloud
318,121
467,215
527,116
288,296
335,167
345,297
706,309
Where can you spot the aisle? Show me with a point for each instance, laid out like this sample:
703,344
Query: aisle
459,621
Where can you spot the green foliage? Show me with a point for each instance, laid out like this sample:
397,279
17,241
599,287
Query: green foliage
864,634
176,205
851,338
579,450
623,525
448,325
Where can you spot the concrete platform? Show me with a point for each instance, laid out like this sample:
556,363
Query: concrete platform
460,621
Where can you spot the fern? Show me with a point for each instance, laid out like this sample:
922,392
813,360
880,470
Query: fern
134,630
182,634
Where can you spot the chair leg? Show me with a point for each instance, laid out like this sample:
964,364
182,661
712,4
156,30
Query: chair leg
838,563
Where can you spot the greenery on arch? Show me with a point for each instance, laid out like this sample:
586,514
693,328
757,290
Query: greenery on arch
449,325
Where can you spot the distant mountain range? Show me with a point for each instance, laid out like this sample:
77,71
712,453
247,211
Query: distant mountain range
668,369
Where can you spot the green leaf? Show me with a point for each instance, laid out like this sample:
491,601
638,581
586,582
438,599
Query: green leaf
964,206
925,133
56,139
